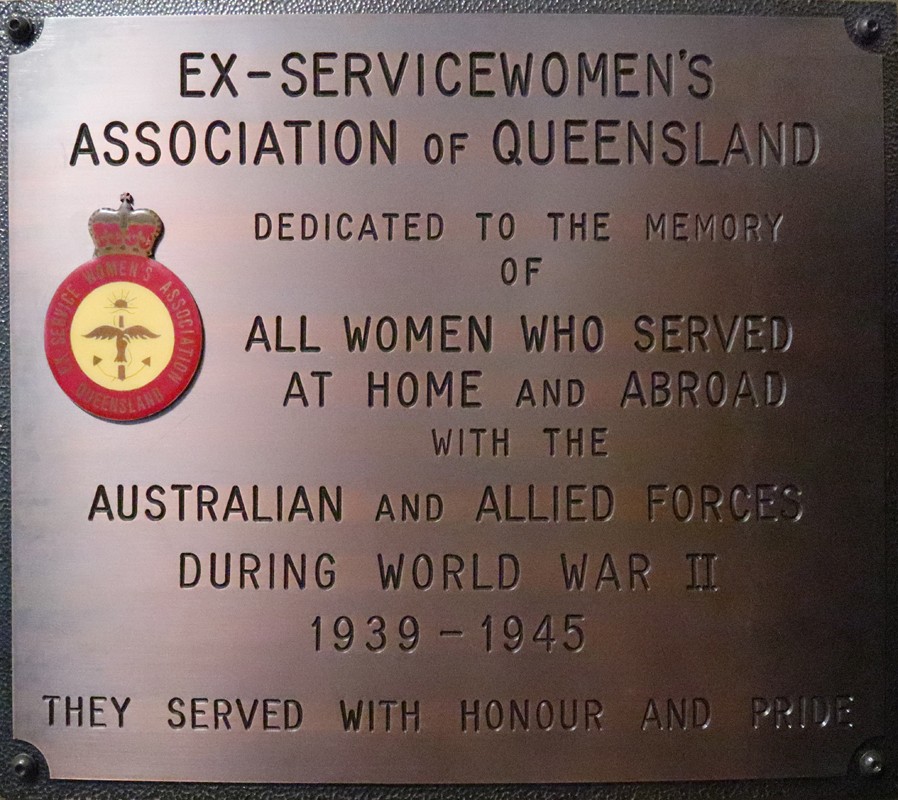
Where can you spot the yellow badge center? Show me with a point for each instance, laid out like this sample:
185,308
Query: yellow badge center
122,336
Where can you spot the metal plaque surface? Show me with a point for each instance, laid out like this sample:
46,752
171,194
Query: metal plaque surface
538,430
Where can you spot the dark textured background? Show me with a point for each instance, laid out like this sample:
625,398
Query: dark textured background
852,786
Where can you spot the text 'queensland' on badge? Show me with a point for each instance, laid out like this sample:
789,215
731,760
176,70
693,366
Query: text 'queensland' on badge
123,334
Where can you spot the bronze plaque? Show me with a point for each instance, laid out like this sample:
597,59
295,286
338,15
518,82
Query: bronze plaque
538,430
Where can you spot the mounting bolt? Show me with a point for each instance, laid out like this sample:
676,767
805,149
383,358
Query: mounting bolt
24,767
868,29
20,29
870,762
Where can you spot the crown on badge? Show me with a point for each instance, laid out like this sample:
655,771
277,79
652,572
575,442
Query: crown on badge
127,230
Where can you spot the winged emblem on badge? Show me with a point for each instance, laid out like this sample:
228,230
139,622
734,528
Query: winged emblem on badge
122,336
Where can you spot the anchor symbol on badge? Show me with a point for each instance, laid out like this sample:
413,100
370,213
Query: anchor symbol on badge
122,335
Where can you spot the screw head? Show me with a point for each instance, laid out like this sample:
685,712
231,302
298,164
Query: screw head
20,29
868,29
24,767
871,762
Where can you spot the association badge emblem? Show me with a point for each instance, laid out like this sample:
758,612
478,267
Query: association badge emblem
123,334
